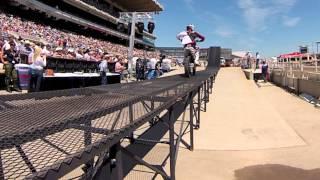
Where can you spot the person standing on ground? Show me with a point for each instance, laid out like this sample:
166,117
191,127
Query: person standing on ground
140,69
264,70
118,67
36,69
158,69
248,57
9,59
103,66
258,57
152,74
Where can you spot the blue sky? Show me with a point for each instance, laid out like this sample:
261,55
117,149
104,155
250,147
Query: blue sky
270,27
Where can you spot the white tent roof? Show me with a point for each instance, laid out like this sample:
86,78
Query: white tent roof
240,54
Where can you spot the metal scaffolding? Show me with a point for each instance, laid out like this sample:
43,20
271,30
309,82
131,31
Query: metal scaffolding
46,135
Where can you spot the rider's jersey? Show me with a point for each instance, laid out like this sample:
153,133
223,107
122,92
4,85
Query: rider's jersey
193,36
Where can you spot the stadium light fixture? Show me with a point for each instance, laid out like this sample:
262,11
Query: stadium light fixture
151,27
317,46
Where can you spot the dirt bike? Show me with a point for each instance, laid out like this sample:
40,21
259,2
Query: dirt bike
189,65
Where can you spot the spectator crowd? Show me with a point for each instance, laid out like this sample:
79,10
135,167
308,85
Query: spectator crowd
58,43
20,37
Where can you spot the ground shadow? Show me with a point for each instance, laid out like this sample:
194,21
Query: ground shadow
154,133
276,172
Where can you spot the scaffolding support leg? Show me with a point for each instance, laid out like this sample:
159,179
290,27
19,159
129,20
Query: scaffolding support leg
199,108
205,97
116,169
208,91
191,124
172,145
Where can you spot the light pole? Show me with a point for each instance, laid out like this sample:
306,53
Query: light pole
317,56
131,42
317,47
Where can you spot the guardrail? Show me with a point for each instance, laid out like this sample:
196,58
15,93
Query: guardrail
296,82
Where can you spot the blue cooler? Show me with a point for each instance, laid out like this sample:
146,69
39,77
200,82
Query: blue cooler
23,75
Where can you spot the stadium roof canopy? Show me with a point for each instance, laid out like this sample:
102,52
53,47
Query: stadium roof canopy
141,5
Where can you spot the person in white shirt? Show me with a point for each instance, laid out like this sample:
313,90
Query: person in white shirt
257,60
189,39
79,54
151,65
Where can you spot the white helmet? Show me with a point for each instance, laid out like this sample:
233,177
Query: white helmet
190,26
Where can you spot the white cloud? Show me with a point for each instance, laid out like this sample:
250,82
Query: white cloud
190,4
220,24
285,3
257,13
224,32
291,21
256,17
249,43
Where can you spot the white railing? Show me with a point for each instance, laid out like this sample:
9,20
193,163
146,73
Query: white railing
305,69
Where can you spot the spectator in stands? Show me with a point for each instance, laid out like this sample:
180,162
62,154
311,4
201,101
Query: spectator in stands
27,47
9,59
45,50
86,55
79,54
36,69
59,39
71,54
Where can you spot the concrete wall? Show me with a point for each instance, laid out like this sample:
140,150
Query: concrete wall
297,85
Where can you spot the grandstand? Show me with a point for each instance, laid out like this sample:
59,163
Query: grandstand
77,30
89,17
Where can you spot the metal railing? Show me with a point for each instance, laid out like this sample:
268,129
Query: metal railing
46,135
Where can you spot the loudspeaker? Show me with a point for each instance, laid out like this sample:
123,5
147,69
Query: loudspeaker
303,49
151,27
140,26
214,54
